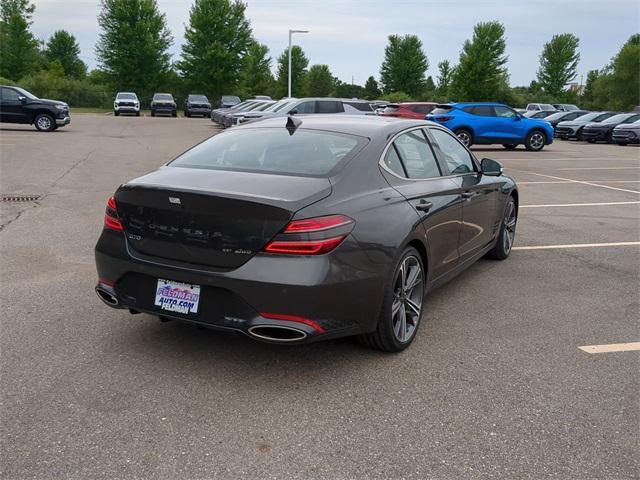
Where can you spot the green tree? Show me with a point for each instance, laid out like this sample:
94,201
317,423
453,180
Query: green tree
558,63
62,46
481,73
319,81
132,46
19,50
256,77
625,76
445,71
588,97
299,63
429,92
216,41
347,90
404,65
371,89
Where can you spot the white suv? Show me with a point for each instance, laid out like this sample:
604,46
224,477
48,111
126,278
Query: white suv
126,102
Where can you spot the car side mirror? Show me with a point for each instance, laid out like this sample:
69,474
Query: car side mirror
22,99
491,168
518,117
293,112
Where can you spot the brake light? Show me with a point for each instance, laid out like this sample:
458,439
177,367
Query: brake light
443,118
111,216
317,224
316,235
293,318
311,247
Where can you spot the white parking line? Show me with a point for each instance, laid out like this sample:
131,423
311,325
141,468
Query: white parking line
571,181
580,181
600,168
612,347
576,245
579,204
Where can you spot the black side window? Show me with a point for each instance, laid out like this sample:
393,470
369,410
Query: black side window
10,96
571,116
504,112
306,107
457,157
393,163
417,156
632,118
470,110
483,111
325,106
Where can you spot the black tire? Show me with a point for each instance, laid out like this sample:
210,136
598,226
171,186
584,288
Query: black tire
591,140
153,113
392,334
623,144
174,114
138,113
510,146
579,135
535,141
44,122
465,136
504,242
187,114
116,114
610,137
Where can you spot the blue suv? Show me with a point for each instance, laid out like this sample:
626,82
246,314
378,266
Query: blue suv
489,123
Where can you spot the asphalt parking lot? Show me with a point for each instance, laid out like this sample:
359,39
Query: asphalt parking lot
494,385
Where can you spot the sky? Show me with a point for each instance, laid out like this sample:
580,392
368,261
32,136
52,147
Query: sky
350,35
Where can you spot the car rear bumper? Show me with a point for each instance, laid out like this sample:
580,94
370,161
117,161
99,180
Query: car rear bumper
340,294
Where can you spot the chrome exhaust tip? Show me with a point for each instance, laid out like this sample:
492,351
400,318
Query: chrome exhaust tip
277,333
107,297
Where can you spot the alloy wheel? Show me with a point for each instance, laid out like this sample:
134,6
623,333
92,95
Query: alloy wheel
464,137
509,227
407,299
536,141
44,123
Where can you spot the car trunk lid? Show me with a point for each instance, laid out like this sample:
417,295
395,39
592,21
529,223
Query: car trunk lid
215,218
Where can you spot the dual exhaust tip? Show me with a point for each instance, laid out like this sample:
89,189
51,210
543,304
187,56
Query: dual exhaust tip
269,333
106,296
277,333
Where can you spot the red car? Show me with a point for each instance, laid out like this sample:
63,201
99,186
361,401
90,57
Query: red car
415,110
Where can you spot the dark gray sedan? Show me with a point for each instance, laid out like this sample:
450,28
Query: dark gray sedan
298,229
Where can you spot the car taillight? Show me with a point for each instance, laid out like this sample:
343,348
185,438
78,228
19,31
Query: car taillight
293,318
442,118
111,216
311,236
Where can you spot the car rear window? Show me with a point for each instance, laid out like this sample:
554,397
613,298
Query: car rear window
441,109
360,106
273,150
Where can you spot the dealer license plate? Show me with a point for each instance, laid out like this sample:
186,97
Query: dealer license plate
177,296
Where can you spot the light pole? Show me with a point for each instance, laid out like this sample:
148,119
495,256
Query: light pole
291,32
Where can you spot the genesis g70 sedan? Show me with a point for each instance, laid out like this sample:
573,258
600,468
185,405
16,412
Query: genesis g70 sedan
297,229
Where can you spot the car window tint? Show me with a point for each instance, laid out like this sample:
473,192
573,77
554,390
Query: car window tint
359,106
423,108
483,110
271,150
306,107
393,163
457,157
504,112
416,155
632,119
326,106
442,109
10,95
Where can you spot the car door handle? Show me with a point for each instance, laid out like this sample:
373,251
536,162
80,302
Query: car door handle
468,194
424,206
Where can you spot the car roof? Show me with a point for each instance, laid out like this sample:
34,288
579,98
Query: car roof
361,125
469,104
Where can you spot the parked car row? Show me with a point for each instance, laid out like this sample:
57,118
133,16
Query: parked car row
600,126
255,109
165,103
